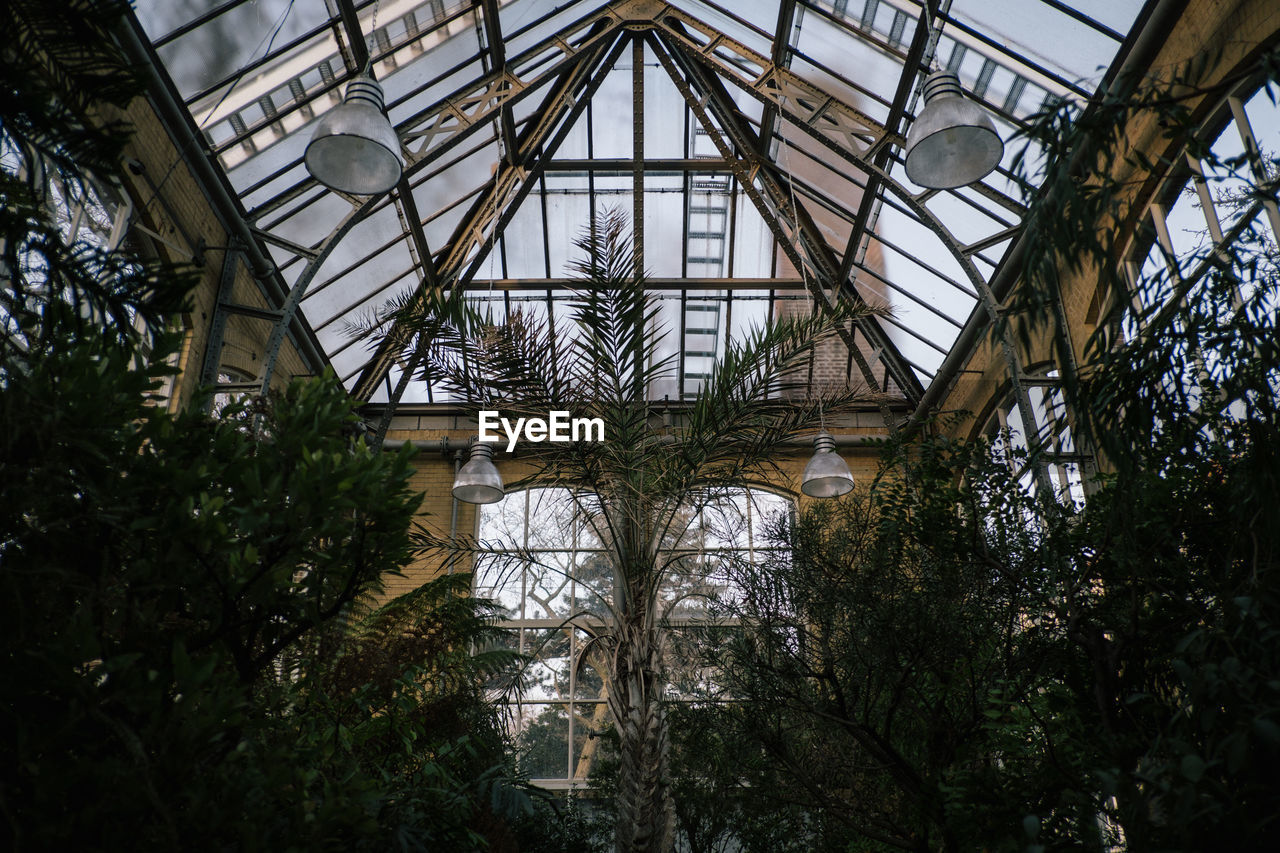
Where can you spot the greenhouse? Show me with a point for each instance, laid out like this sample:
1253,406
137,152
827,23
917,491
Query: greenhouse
651,426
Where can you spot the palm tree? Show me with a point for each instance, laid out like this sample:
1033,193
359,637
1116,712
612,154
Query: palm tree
641,487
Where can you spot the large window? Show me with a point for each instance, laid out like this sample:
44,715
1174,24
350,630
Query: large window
546,562
1215,203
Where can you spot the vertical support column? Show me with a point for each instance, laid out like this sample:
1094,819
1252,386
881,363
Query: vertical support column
637,147
218,325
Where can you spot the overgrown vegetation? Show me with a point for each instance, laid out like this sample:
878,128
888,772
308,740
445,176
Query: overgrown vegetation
643,486
946,664
189,656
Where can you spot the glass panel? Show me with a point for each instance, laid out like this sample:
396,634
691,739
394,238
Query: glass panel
611,112
500,577
551,514
752,10
547,675
502,523
235,38
726,521
1076,51
548,590
593,591
542,740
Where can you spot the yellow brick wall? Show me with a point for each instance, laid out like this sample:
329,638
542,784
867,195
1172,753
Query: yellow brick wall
434,473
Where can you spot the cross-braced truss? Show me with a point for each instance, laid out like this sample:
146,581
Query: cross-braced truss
764,139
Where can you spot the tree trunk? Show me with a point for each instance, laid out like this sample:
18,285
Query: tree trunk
646,814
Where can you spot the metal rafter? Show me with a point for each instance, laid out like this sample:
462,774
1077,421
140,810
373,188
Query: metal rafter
355,36
843,128
799,232
812,111
854,248
637,149
498,58
793,234
779,55
438,128
450,118
475,236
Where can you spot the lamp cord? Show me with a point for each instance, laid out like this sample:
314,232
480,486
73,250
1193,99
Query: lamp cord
373,34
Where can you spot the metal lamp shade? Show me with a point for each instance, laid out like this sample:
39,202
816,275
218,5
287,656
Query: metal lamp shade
953,141
354,148
826,475
478,481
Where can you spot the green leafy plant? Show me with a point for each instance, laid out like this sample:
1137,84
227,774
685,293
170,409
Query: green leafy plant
642,486
187,655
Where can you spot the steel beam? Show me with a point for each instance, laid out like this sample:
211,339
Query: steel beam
862,221
796,231
780,56
479,229
498,57
787,233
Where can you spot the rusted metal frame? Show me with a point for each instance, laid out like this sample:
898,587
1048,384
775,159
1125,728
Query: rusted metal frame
465,113
637,150
355,36
454,116
804,236
770,84
856,245
746,169
780,56
498,57
807,117
508,188
218,325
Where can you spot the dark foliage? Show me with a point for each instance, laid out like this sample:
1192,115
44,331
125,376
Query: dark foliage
185,661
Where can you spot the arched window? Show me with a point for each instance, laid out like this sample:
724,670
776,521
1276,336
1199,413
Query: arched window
1213,203
546,563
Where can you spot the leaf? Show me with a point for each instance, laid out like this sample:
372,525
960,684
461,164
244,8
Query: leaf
1193,767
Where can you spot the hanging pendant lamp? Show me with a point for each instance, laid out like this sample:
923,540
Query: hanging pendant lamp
826,475
354,148
953,141
478,481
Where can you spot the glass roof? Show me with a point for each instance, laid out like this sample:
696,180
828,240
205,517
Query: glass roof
768,157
